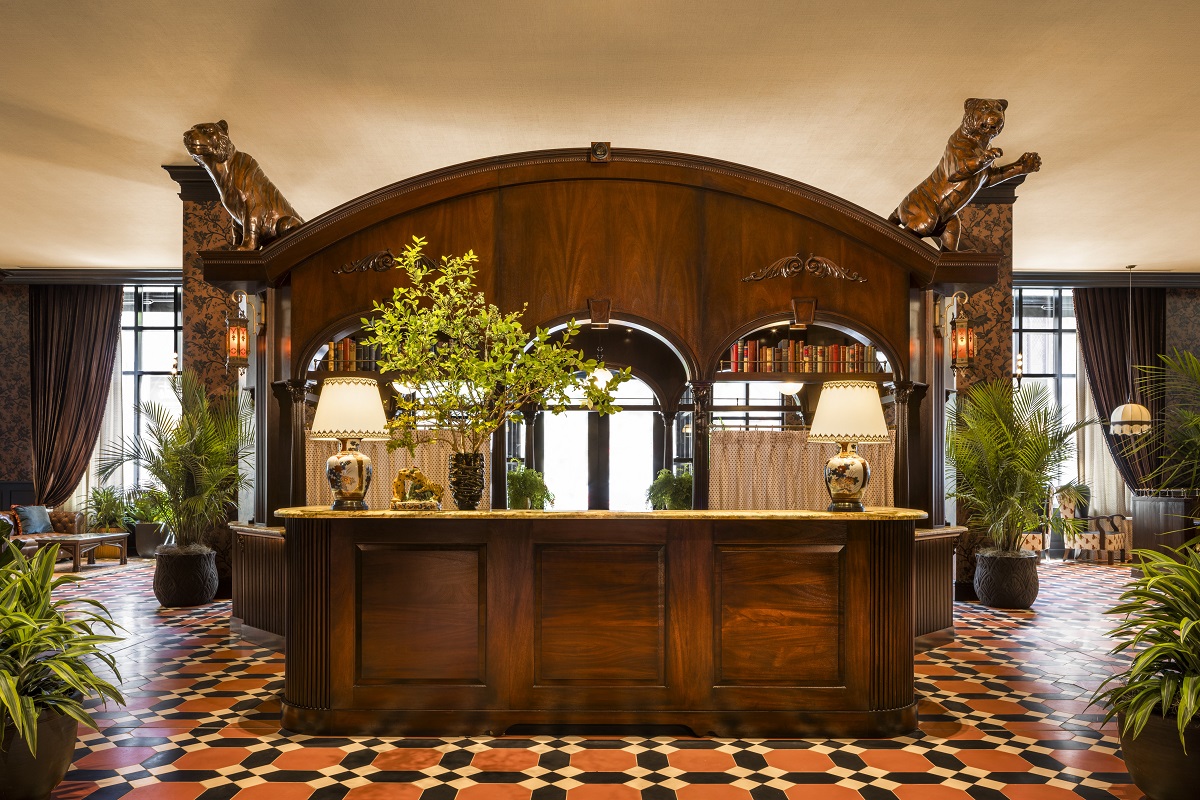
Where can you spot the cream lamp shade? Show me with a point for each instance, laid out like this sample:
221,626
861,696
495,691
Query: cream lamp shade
349,408
1131,419
849,411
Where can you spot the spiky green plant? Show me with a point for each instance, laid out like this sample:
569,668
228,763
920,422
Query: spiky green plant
471,366
1161,626
1007,447
197,459
106,508
47,646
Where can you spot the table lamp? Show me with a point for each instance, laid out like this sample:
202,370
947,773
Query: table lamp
848,412
350,411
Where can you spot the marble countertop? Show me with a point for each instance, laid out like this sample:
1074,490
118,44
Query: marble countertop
872,513
251,527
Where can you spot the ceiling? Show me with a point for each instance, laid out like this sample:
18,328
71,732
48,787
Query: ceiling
335,99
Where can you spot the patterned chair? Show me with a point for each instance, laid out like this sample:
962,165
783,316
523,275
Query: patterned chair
1034,543
1104,536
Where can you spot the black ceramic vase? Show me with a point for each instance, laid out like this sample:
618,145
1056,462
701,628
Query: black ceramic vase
185,579
466,480
24,776
1156,760
1006,580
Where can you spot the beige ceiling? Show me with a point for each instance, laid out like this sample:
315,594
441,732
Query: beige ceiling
338,98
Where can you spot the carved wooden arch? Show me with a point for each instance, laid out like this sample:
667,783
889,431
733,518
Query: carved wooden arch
669,237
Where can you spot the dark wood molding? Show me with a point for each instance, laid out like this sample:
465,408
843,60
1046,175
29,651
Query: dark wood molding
1105,279
814,265
965,271
194,183
1000,194
93,277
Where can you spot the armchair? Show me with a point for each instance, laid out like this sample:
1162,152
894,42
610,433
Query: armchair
1104,537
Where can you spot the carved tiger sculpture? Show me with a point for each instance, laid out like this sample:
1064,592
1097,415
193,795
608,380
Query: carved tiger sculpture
932,208
260,213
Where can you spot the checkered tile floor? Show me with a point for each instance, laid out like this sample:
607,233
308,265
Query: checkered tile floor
1004,716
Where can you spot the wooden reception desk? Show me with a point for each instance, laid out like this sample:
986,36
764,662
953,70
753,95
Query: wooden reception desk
735,623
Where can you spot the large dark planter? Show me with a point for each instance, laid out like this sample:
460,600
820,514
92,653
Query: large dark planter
148,537
185,579
466,480
966,547
1006,580
1157,763
24,776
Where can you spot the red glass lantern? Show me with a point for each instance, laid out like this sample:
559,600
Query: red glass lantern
237,339
962,337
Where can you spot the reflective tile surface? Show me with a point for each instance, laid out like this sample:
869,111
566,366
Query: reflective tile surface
1004,716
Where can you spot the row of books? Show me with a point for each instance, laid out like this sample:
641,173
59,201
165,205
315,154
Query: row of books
351,355
755,355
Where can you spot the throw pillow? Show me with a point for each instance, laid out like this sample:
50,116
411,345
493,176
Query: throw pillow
34,519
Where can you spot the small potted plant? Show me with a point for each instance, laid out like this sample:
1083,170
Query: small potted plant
670,491
527,489
106,509
141,519
48,650
1157,698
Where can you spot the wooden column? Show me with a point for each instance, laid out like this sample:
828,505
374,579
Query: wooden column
701,417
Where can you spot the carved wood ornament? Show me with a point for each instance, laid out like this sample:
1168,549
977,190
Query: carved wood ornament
794,265
382,261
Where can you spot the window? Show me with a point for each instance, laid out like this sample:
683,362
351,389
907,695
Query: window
1045,341
151,339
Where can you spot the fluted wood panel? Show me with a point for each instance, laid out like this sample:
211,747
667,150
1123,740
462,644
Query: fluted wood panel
890,567
933,575
307,650
260,580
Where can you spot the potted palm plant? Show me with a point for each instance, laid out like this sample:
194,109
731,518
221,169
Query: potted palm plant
1157,697
527,489
48,650
670,491
469,367
1006,447
196,460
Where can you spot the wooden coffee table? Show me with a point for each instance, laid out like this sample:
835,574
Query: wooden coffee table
86,544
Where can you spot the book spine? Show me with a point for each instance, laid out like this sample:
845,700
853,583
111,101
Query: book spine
752,356
733,357
331,357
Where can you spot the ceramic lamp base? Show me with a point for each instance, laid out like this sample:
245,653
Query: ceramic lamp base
349,474
846,476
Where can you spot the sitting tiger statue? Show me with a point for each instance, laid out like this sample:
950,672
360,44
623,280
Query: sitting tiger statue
932,208
260,213
410,486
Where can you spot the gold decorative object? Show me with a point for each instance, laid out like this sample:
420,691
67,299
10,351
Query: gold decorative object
412,491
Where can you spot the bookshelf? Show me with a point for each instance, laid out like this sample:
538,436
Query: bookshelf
818,355
345,356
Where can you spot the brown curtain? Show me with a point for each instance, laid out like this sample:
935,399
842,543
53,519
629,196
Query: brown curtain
1102,316
74,332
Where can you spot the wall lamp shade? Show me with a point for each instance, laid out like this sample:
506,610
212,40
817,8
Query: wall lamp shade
962,337
237,342
1131,419
349,411
848,412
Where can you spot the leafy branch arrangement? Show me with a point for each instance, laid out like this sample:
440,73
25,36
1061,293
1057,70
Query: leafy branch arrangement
194,458
1007,447
670,492
1162,624
468,366
1175,445
526,484
46,646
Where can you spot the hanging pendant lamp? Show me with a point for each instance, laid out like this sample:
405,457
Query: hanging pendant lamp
1130,419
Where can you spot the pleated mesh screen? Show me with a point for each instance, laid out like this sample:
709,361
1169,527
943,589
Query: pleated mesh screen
781,469
432,458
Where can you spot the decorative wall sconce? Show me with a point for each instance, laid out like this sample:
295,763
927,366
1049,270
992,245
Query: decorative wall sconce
1019,370
962,336
237,333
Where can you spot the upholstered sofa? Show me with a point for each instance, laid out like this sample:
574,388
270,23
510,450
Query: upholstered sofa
64,522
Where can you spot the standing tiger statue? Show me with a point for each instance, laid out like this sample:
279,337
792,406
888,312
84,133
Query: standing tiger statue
260,213
932,208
